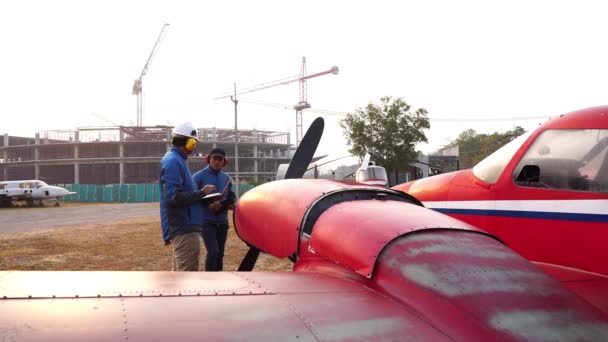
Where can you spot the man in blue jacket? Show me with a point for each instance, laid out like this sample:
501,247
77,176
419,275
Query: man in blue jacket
180,200
215,215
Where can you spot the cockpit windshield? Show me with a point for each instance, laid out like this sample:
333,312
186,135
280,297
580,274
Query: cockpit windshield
489,169
572,159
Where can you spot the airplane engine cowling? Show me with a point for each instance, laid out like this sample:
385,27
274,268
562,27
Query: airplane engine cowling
269,217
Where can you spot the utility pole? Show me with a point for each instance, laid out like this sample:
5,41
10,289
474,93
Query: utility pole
137,86
236,143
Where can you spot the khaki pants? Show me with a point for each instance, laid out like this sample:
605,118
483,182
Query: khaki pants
186,251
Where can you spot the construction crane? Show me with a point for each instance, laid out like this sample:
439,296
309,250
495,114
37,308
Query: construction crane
137,86
233,97
303,102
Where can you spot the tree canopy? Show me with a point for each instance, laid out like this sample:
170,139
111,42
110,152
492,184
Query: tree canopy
389,131
474,147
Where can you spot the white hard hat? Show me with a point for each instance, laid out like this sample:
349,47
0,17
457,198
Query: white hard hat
186,129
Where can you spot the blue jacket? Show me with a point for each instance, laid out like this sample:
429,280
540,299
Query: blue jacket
180,201
208,176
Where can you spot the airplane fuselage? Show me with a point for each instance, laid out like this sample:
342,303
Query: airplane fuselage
30,190
545,194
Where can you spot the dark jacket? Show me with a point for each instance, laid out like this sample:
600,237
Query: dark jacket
180,201
208,176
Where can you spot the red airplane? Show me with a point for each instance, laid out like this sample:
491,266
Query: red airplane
545,194
369,264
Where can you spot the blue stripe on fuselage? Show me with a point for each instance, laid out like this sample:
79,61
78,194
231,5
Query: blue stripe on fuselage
528,214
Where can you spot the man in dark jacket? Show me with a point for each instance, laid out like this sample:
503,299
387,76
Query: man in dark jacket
180,200
215,215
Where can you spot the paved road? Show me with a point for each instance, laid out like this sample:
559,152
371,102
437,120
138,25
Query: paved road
19,220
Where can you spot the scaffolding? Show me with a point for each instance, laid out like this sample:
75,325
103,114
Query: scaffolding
131,154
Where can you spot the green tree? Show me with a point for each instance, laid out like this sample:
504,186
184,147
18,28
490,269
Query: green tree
389,131
474,147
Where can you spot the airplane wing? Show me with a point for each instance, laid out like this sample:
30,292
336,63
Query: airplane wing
219,306
592,287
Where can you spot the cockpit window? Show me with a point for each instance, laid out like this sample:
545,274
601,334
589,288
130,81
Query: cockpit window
574,159
489,169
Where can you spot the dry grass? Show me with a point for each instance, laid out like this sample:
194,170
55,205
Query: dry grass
134,245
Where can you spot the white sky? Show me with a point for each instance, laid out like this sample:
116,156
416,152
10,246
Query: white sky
62,60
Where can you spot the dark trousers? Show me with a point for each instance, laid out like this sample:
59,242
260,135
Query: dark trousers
214,235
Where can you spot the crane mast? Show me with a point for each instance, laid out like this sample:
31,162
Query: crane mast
137,85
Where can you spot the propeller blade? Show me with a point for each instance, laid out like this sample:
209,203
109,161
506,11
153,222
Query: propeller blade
297,167
308,146
249,260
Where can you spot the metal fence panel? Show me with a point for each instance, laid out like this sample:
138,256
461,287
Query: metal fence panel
156,192
91,193
132,193
124,193
99,192
149,193
141,192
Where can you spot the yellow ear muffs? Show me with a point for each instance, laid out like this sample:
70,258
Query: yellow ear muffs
190,144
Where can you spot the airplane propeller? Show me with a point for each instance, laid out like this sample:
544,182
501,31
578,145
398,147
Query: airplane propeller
297,167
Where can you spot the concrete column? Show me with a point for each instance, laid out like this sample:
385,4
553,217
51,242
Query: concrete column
5,172
121,158
214,137
76,157
169,139
37,157
255,155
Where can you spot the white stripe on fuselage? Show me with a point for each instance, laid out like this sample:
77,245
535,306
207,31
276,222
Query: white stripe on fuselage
599,206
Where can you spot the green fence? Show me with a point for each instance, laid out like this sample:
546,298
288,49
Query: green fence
114,193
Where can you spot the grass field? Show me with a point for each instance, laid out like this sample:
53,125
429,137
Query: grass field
127,245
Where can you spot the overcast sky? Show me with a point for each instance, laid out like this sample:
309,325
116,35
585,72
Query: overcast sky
471,64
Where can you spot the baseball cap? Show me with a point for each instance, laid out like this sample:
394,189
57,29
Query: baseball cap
217,151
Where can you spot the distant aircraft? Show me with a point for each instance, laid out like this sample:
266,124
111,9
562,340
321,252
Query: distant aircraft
367,173
370,173
30,191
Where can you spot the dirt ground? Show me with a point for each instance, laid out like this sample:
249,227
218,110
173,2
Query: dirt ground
118,245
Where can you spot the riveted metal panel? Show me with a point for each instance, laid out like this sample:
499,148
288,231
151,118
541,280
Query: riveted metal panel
122,284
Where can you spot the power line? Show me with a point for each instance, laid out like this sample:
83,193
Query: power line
434,119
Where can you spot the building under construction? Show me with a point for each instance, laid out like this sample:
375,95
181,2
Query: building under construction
132,154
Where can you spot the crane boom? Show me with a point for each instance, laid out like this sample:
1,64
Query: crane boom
137,86
303,104
334,70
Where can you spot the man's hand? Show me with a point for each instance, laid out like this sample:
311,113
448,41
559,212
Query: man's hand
208,189
215,207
